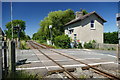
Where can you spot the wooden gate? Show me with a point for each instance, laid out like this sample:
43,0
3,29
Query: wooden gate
1,53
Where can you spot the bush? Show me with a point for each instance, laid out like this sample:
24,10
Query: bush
62,41
80,45
90,45
111,37
23,45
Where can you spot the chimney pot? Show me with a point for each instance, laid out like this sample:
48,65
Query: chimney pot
79,14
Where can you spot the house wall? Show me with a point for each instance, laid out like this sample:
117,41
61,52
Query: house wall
84,31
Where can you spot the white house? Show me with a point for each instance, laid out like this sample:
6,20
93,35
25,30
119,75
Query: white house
85,27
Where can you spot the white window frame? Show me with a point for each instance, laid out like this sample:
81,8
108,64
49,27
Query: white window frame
71,31
92,28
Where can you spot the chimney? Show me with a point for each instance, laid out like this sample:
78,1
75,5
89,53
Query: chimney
79,14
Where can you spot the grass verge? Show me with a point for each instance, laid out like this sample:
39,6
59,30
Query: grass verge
21,75
23,45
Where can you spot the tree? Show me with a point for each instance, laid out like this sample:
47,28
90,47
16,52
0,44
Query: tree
84,12
28,37
111,38
57,19
15,32
62,41
34,36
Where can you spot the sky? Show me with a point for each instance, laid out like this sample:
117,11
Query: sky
33,12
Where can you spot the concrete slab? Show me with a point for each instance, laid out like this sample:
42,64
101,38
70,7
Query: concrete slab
41,64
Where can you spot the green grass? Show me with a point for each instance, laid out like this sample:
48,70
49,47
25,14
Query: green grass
23,45
83,76
22,75
45,43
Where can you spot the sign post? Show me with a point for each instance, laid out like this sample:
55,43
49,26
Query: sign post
118,25
50,27
118,50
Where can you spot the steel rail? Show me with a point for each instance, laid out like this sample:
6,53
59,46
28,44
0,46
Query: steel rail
39,59
70,75
111,76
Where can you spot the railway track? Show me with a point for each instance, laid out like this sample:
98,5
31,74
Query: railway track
69,75
105,74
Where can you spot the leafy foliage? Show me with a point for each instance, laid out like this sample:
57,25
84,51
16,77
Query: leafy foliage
23,45
80,45
84,12
62,41
57,19
15,34
111,38
90,44
28,37
38,36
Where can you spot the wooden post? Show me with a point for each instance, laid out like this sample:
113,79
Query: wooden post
12,61
1,56
118,57
9,55
5,57
1,63
118,54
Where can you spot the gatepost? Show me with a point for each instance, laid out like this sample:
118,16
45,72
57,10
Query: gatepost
1,63
12,61
1,54
118,25
0,40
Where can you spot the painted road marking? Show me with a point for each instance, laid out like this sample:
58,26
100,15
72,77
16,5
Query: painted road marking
112,56
101,63
33,61
62,60
87,49
92,58
74,65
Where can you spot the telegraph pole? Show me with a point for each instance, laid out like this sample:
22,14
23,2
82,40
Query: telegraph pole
12,61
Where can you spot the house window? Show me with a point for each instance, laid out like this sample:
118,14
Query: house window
92,24
71,31
75,36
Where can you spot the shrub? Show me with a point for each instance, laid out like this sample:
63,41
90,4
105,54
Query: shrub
23,45
62,41
90,45
42,41
80,45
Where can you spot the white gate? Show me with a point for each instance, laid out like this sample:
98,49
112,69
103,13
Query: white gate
1,58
